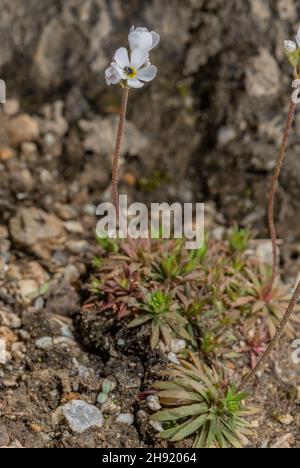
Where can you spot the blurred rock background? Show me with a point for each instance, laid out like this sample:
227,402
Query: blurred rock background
207,129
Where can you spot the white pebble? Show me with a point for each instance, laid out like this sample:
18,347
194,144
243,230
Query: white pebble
173,358
125,418
157,426
177,345
153,403
44,343
81,416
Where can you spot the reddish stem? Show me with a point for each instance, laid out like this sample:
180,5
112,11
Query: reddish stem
281,327
273,189
116,156
277,337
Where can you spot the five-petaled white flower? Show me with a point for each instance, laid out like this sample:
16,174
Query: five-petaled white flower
112,75
141,38
135,71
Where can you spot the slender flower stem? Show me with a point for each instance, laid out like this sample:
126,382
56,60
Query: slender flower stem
278,335
115,162
281,327
274,184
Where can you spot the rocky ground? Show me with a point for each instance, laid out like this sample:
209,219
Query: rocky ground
47,246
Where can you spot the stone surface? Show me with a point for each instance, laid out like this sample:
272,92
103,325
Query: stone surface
82,416
23,128
153,403
125,418
44,343
37,230
4,436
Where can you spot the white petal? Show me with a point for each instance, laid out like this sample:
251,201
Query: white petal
140,40
112,75
147,73
141,30
121,57
298,37
146,40
131,29
290,46
135,83
133,39
138,58
121,72
155,39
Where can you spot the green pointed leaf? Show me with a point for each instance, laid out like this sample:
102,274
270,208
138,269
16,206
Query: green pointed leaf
234,441
221,439
167,385
211,433
179,396
190,428
181,412
139,321
166,333
155,333
169,433
200,440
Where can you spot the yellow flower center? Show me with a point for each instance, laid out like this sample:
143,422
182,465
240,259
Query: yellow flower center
130,72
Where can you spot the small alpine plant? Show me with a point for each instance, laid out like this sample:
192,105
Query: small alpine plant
132,70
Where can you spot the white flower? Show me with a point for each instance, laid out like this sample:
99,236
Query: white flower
290,46
135,71
298,37
112,75
141,38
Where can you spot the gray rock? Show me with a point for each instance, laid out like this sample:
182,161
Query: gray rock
4,436
45,343
125,418
153,403
262,75
36,230
82,416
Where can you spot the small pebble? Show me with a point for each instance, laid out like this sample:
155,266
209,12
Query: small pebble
74,227
110,407
157,426
82,416
90,210
39,303
44,343
125,418
153,403
24,335
173,358
286,419
177,345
